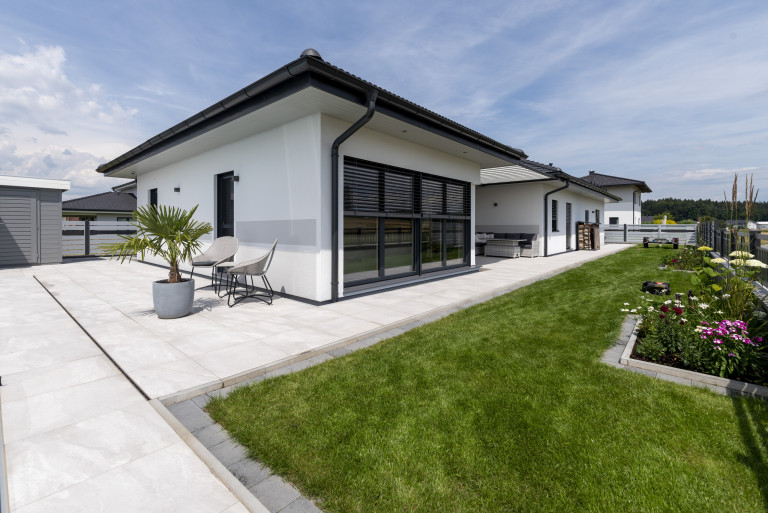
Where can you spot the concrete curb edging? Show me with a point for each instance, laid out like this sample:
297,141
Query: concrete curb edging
721,385
237,488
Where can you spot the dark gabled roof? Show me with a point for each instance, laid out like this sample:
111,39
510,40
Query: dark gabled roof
607,180
309,70
557,173
104,202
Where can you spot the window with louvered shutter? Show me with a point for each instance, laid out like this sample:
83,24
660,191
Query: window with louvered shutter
361,188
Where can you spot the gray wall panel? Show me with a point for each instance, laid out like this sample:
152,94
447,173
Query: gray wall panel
290,232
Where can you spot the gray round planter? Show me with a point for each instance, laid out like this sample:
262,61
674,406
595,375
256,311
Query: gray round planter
173,300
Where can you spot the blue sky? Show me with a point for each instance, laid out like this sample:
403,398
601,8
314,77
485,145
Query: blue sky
672,93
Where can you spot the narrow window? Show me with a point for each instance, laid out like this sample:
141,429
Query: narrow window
597,217
153,197
554,216
586,216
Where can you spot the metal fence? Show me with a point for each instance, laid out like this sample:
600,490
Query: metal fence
725,240
85,238
634,233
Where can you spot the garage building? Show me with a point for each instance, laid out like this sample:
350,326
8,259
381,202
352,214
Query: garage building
30,220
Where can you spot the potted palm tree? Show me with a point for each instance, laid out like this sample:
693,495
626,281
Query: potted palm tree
171,234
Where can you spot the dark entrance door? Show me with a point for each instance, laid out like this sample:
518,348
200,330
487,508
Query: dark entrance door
225,204
568,229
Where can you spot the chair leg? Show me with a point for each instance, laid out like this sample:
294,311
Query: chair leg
192,272
249,291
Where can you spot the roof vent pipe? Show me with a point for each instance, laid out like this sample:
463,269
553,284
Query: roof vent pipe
311,52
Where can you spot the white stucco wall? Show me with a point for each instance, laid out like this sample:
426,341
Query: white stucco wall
623,209
520,208
278,196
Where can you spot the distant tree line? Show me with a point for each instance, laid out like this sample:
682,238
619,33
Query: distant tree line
701,210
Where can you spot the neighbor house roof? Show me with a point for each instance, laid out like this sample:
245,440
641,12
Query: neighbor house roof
310,70
104,202
607,181
125,186
531,171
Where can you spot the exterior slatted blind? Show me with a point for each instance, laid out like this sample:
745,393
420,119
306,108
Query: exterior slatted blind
377,188
398,192
361,188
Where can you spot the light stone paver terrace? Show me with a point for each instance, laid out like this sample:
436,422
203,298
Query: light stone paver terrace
79,437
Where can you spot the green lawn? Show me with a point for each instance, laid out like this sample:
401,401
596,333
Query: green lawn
505,407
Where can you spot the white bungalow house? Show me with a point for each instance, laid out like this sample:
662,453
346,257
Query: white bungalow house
530,197
628,210
361,187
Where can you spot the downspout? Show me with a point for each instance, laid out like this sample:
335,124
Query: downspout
335,190
546,216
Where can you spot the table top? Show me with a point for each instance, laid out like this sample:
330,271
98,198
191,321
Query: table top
505,240
225,264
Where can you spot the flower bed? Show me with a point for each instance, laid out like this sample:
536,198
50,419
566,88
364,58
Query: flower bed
718,331
687,258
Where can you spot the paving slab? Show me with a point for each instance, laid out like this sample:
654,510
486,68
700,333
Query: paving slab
77,435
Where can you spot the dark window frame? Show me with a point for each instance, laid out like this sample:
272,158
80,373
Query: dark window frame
554,216
369,193
153,197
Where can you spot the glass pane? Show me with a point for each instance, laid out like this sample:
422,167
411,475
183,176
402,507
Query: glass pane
398,246
454,242
431,243
361,248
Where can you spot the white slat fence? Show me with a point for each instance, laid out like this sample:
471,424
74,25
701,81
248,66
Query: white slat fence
84,238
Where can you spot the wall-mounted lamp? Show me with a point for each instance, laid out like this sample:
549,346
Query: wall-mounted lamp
177,189
236,178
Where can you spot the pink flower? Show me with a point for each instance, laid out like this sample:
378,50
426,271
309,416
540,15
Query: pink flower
718,341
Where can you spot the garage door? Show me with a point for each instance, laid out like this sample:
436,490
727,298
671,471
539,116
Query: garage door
18,227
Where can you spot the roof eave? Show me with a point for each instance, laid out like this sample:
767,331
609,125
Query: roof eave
387,103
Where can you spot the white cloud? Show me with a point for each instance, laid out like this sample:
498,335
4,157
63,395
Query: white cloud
52,127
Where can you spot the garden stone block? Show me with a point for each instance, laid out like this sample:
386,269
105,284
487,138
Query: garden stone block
228,452
190,414
275,493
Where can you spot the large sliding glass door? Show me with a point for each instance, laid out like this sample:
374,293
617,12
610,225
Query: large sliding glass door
398,246
399,222
361,253
431,243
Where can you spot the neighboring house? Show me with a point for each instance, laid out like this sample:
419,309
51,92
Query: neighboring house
361,187
30,220
106,206
628,210
129,187
531,197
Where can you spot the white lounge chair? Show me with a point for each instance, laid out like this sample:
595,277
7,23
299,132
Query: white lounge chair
256,267
223,249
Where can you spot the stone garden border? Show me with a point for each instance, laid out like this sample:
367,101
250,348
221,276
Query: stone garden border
620,355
